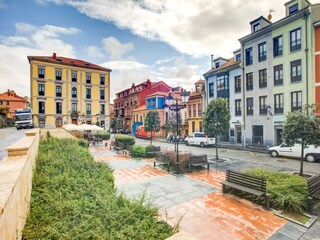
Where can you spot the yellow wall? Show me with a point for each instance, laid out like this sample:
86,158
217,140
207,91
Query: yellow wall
66,99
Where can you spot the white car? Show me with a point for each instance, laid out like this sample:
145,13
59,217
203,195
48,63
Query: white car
311,154
199,139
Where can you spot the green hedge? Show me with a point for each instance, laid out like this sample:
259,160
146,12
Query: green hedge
104,135
139,151
287,192
74,197
151,149
125,140
83,143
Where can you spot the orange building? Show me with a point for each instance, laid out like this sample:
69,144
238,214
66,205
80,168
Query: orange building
317,63
13,101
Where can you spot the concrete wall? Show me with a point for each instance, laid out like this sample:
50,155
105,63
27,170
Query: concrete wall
16,172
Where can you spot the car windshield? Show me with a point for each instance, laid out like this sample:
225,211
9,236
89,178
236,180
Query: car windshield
200,135
23,117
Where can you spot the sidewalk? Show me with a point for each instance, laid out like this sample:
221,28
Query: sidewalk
195,202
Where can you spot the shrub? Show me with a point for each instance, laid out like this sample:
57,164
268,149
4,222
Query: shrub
102,134
287,192
74,197
152,149
139,151
172,157
83,143
125,140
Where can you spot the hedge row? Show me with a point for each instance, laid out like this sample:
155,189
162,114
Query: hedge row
74,197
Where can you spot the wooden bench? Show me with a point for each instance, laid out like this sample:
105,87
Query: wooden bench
314,190
161,159
121,146
247,183
200,160
155,151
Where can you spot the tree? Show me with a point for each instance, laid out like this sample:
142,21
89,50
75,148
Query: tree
216,119
302,127
171,124
4,111
115,124
152,123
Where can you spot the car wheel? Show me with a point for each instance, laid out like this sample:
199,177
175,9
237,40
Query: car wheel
187,143
310,158
274,154
202,145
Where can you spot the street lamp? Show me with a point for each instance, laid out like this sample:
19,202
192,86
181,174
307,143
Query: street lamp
169,101
269,110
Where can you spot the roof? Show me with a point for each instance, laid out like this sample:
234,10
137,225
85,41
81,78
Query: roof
68,62
143,107
229,63
259,18
158,93
12,96
200,81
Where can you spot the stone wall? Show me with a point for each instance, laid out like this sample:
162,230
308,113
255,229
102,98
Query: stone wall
16,172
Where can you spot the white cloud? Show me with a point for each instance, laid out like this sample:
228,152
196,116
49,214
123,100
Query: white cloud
95,52
193,27
43,40
123,65
2,4
115,48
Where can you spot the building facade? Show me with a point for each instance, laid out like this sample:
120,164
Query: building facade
65,90
13,101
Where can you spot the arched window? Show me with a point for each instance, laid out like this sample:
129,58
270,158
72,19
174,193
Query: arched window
74,92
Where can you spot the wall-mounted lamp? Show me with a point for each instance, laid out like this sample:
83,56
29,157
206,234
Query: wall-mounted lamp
269,110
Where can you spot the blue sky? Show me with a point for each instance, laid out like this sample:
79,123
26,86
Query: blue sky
169,40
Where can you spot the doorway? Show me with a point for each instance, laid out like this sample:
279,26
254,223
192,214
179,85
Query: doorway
239,136
257,135
279,139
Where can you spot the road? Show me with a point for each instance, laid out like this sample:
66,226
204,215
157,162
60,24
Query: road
240,159
7,137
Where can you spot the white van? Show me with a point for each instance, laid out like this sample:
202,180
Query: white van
200,139
311,154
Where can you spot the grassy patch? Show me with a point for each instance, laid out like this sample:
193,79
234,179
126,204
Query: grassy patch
74,197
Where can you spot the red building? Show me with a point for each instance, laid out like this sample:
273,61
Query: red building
13,101
317,63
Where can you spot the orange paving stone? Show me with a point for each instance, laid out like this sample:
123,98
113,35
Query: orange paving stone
212,177
223,216
111,158
136,174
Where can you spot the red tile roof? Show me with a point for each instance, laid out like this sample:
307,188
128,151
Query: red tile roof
200,81
231,62
68,62
158,93
143,107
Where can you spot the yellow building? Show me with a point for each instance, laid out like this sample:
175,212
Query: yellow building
65,90
195,107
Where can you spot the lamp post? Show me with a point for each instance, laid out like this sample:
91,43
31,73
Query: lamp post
175,107
98,117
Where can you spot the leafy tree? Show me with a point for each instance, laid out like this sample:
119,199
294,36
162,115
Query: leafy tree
4,111
171,125
152,123
115,124
302,127
216,119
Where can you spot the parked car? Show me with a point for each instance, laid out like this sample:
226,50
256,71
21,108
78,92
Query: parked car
141,133
199,139
311,154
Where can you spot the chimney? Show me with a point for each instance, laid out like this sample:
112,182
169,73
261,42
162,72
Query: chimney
212,61
54,56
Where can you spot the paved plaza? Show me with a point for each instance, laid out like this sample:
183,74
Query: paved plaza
9,136
195,201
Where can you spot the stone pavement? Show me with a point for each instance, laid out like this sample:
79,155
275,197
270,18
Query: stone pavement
9,136
194,202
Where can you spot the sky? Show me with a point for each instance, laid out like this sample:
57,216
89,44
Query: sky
169,40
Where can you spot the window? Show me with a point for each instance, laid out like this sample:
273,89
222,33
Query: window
59,107
41,72
262,78
277,46
249,59
278,103
262,51
296,70
249,81
102,109
74,107
190,110
295,40
102,80
88,78
193,126
88,93
293,9
41,107
58,74
74,76
199,110
249,106
74,92
256,27
278,74
102,95
238,57
221,83
88,109
217,64
200,126
1,102
237,84
41,89
58,91
238,107
7,103
211,90
296,101
263,105
194,106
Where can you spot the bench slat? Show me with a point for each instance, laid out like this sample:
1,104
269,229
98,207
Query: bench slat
243,188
